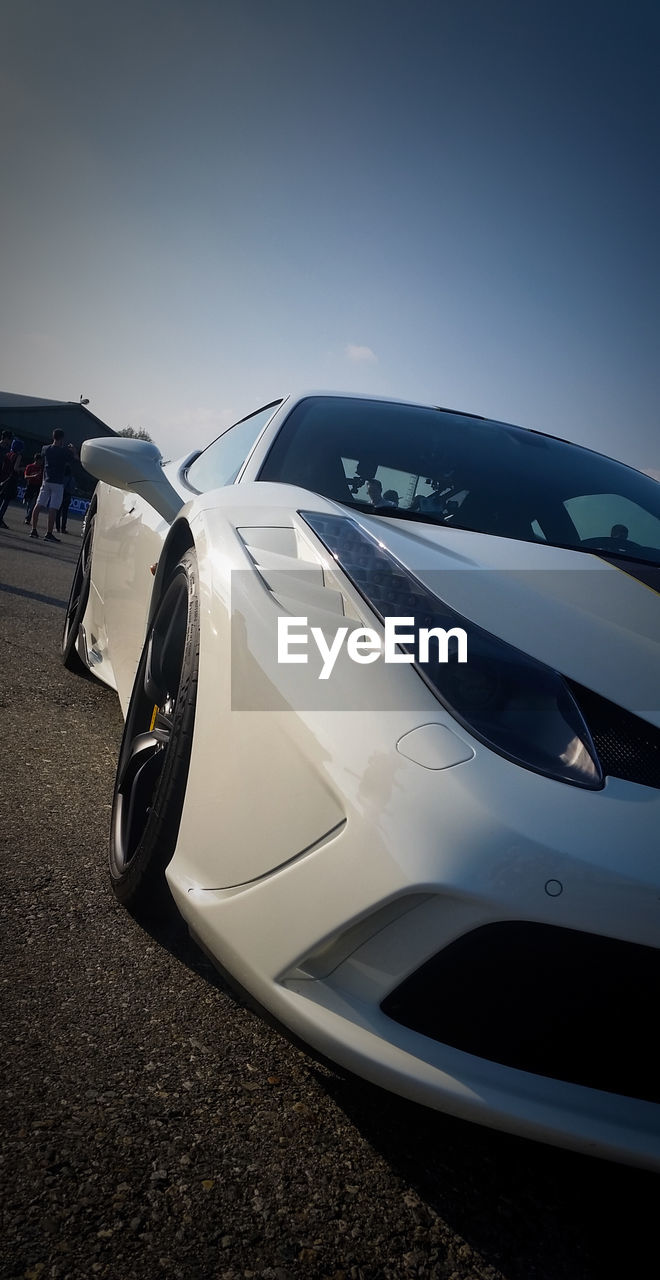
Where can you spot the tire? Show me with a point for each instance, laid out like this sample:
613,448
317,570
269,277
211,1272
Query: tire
154,756
77,603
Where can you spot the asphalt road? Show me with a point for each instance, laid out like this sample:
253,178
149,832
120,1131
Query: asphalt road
153,1127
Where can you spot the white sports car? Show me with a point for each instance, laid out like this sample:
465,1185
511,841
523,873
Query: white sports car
391,683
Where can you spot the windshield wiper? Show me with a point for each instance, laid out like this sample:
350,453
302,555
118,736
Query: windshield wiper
622,555
448,522
603,553
403,513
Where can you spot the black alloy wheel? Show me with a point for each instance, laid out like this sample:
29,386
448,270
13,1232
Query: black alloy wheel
155,751
78,597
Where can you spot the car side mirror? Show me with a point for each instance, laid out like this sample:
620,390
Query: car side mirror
135,466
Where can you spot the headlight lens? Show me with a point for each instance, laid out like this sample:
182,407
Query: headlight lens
519,707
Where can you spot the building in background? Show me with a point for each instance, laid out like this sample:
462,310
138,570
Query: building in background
34,420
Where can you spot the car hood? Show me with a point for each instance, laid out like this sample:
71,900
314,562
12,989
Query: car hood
589,619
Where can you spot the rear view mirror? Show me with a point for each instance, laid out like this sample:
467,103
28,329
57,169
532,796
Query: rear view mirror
135,466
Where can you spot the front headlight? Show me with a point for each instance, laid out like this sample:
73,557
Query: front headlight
517,706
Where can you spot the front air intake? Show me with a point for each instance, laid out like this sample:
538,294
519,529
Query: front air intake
556,1002
627,746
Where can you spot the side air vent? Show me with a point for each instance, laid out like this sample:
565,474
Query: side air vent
292,573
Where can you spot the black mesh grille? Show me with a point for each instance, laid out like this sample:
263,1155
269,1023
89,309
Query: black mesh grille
627,746
555,1002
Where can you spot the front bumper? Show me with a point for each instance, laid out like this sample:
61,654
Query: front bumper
327,942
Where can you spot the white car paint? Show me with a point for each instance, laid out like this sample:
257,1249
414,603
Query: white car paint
327,850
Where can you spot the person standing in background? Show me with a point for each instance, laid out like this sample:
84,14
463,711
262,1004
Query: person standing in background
69,484
33,475
9,476
56,456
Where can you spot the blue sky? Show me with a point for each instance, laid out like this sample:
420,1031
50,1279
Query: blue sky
206,204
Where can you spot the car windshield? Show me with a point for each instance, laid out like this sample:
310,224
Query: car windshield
442,467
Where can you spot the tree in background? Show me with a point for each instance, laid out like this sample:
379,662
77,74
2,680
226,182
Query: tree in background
140,434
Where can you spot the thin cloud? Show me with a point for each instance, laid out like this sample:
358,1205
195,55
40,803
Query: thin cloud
360,355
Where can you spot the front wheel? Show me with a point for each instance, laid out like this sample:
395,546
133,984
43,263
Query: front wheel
77,603
156,746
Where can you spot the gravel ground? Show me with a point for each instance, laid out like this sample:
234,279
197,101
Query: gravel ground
153,1127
